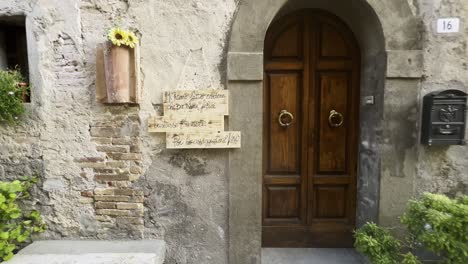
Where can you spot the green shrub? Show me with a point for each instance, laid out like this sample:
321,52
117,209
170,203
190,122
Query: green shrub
380,246
440,224
16,226
11,96
436,222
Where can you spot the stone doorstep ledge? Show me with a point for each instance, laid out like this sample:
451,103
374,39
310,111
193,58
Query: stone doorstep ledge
91,252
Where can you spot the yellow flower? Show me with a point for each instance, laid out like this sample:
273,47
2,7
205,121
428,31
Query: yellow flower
132,39
118,36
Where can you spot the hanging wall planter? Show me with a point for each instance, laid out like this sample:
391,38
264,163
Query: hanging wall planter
117,69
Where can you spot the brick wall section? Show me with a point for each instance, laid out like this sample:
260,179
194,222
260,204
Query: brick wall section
117,166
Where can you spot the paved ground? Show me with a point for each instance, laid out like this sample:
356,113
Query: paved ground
311,256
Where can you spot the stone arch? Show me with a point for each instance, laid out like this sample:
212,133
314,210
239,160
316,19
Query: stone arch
399,25
387,31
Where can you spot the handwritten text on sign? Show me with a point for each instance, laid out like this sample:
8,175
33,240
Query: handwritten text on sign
196,101
230,139
186,123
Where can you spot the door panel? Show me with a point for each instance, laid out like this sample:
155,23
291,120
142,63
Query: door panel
309,167
284,151
289,43
333,96
332,43
330,202
283,202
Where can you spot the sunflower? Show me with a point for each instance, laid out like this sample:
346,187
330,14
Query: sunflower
118,36
132,40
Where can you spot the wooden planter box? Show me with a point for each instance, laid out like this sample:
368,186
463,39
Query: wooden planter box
117,74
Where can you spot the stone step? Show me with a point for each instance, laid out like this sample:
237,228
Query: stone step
91,252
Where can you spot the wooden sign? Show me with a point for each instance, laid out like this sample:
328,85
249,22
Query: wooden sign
196,101
187,123
194,119
230,139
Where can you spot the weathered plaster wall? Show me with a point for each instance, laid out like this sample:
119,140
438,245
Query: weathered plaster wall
184,45
444,169
416,168
88,188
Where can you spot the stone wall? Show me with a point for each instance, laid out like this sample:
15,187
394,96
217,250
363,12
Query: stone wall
102,176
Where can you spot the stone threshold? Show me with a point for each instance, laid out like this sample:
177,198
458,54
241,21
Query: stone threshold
311,256
91,252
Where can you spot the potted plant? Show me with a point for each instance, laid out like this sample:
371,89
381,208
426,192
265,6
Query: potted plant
118,64
13,90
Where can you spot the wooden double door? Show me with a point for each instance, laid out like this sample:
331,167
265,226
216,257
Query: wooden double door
311,112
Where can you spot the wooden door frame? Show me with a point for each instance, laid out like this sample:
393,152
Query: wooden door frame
374,29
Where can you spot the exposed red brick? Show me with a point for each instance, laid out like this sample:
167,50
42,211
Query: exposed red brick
112,177
125,156
87,193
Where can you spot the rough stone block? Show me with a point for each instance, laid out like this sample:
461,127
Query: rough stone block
116,164
106,205
135,148
111,177
119,184
125,156
54,185
112,198
105,132
113,212
134,118
104,191
102,140
90,159
108,123
113,148
93,165
87,193
124,191
86,200
104,218
95,252
130,206
123,141
134,177
138,192
135,170
137,199
103,170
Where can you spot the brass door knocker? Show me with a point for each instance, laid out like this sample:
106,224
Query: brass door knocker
335,119
285,118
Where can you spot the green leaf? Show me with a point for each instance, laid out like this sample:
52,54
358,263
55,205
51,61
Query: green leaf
4,236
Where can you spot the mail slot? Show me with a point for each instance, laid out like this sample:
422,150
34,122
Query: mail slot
444,118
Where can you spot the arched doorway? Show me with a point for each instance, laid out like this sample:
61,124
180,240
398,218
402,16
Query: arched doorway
310,133
383,53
